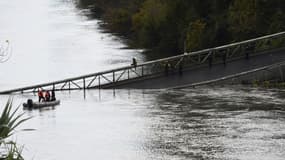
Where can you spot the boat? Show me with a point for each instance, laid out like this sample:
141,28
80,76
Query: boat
33,105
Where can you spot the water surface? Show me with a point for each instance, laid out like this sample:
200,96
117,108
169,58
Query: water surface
203,123
51,40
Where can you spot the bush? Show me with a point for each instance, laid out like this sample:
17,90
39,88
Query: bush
9,121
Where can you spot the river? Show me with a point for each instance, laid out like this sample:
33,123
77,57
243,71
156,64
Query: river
51,39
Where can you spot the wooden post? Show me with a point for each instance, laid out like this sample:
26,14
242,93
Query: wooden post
142,72
228,53
199,58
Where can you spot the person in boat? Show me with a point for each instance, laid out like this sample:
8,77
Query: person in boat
47,96
53,95
41,95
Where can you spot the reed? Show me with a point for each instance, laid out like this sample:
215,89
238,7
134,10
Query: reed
9,121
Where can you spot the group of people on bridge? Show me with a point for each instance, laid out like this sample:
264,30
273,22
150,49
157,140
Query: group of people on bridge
46,96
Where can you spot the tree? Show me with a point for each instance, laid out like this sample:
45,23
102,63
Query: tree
148,21
243,19
195,34
165,25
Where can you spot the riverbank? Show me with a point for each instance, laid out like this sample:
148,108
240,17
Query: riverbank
171,27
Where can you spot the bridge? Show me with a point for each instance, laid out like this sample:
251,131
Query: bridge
259,58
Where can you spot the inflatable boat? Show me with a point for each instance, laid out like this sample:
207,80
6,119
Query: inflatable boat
31,105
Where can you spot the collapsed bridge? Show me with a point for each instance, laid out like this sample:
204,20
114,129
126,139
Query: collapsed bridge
259,58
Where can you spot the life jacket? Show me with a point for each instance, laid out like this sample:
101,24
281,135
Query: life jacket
40,94
47,94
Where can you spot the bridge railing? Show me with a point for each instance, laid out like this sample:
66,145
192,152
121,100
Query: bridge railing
222,54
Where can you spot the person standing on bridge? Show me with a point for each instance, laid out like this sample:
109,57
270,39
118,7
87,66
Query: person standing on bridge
134,63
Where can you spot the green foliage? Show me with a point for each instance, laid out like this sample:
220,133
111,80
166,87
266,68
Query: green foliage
168,25
13,151
277,22
119,19
152,13
195,34
9,121
148,21
243,19
268,84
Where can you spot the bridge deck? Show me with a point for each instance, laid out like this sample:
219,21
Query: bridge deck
205,73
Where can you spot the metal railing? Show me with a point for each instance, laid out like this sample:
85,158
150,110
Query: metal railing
109,78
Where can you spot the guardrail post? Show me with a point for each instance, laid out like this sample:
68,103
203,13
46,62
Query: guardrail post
224,56
228,53
210,59
281,73
84,87
128,73
244,50
114,77
99,81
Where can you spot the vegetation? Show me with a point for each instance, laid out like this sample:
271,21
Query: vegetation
269,84
9,121
175,25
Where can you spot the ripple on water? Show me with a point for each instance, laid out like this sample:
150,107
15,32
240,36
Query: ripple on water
219,123
201,123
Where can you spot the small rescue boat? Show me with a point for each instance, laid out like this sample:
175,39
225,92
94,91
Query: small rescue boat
33,105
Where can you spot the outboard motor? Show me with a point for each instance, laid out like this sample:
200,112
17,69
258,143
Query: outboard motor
30,103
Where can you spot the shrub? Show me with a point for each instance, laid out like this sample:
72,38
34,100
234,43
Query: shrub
9,121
